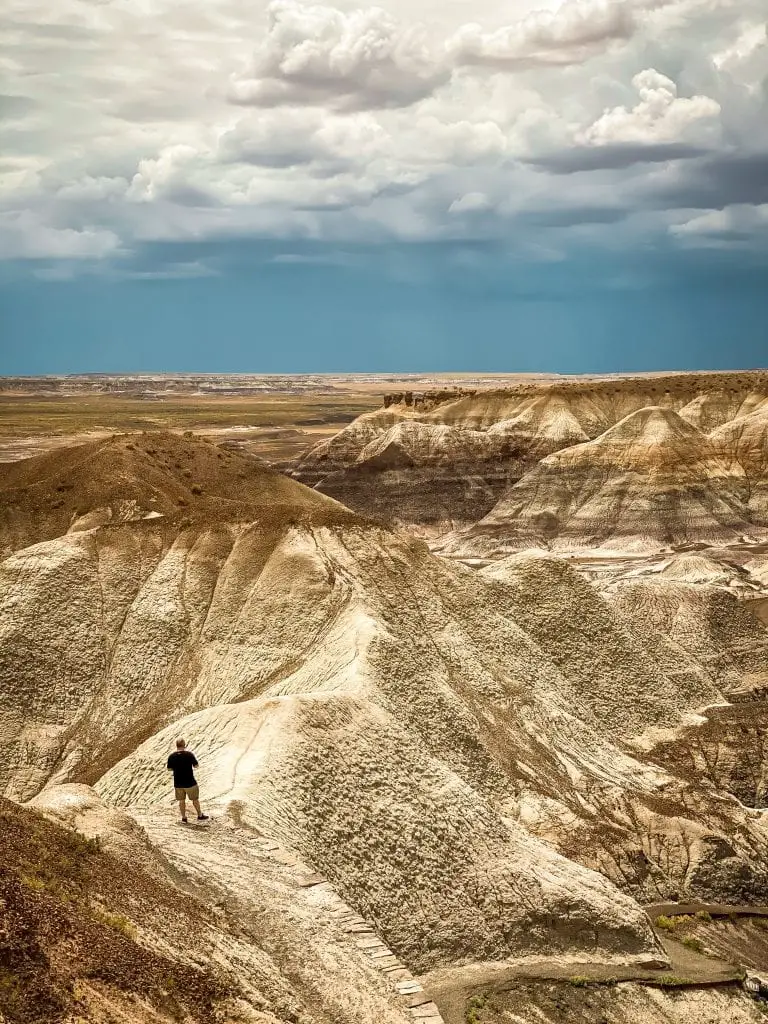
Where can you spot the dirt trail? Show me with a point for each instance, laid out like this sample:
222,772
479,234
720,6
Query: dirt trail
451,988
655,910
294,916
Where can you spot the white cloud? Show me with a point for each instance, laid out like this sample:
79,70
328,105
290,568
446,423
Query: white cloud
567,35
291,137
317,54
659,116
733,226
748,42
23,235
365,123
365,58
470,202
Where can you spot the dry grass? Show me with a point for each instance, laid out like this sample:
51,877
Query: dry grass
57,938
36,415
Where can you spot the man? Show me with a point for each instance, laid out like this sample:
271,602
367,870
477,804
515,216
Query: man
182,763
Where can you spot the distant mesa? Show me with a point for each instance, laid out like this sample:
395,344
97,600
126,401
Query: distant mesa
457,453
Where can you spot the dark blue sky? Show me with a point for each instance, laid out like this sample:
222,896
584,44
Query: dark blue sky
331,185
271,308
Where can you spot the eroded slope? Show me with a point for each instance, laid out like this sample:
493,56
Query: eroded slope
651,481
442,458
413,729
485,765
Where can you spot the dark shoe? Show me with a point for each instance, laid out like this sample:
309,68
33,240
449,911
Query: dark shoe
183,821
202,817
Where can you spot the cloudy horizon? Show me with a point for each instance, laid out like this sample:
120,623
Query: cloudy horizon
285,186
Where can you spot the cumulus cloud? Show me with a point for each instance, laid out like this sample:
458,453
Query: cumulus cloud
752,39
365,58
470,202
23,235
734,225
293,120
660,128
316,54
291,138
660,116
568,35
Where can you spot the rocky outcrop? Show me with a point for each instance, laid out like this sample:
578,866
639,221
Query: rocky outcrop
651,481
450,455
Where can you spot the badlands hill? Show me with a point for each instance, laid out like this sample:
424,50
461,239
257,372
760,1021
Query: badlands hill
134,477
744,440
419,772
650,481
448,457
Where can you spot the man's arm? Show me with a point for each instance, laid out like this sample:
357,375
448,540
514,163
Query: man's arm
194,762
168,764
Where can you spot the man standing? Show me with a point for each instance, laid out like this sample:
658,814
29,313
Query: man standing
182,763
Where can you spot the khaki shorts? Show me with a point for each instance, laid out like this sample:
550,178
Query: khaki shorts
191,792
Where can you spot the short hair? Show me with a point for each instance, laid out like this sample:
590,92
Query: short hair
180,744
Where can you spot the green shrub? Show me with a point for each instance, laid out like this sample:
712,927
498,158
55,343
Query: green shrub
692,943
475,1004
33,882
119,922
667,924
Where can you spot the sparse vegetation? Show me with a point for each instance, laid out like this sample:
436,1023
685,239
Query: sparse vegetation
33,882
117,921
691,942
35,415
473,1009
667,924
55,884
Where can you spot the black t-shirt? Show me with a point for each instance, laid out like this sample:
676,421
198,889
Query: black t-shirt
181,763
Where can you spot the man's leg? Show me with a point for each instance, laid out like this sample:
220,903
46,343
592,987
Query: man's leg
183,809
198,808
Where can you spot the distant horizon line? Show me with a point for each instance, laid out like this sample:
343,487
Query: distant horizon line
371,373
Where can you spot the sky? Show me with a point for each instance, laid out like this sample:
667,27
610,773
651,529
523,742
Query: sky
437,185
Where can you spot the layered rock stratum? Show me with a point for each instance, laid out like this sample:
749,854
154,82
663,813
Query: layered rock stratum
418,765
447,458
651,481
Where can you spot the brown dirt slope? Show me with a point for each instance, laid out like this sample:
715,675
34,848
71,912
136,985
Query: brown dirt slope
69,936
130,477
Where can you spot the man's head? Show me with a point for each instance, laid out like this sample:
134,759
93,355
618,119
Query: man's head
180,744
